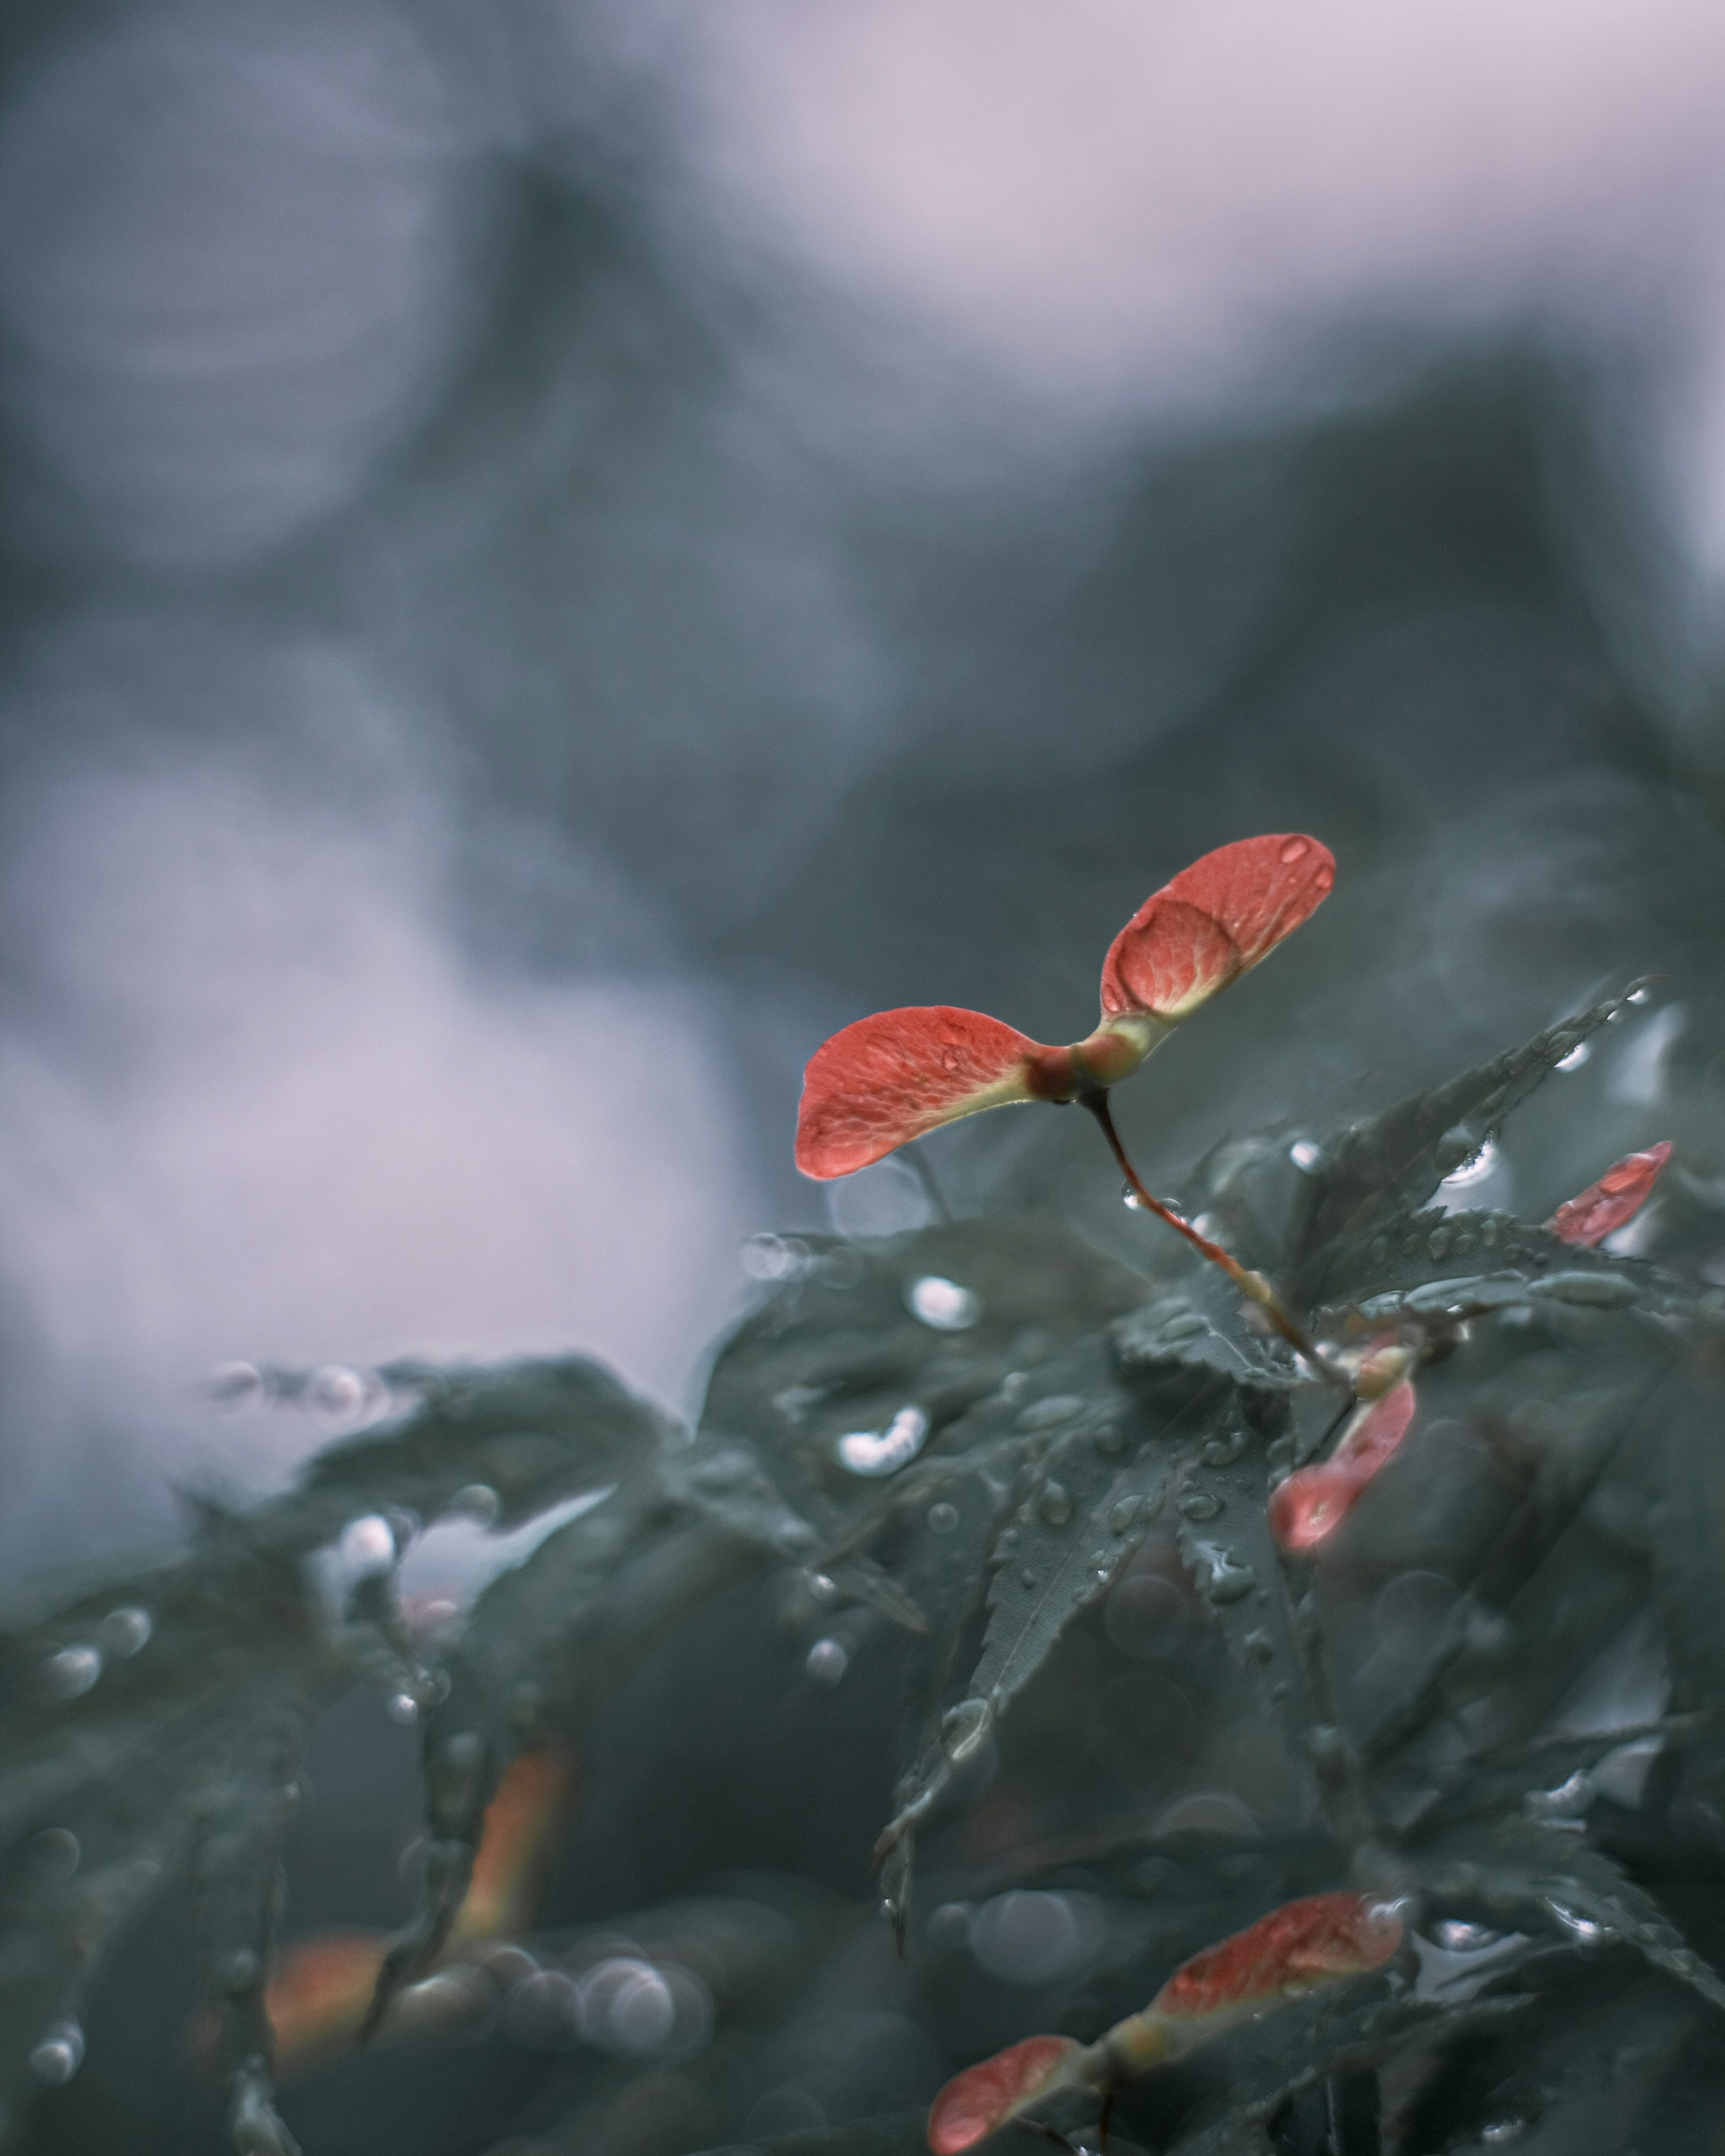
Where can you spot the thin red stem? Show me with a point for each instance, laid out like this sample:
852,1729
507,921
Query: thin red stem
1253,1286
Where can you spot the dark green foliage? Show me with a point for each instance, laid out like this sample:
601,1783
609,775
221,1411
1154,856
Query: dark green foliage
1068,1644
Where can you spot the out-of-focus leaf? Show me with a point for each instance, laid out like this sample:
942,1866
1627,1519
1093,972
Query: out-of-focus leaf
531,1433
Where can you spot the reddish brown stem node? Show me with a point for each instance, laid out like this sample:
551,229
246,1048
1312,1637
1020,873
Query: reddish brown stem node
1253,1286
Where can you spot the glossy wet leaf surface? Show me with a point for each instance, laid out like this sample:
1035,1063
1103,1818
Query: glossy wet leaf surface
968,1556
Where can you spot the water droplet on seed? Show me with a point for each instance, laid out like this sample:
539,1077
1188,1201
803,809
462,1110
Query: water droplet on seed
942,1518
942,1304
827,1661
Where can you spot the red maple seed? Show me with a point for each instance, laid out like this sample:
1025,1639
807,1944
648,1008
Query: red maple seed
1313,1502
1215,921
1611,1202
1302,1944
1321,1939
985,2096
890,1078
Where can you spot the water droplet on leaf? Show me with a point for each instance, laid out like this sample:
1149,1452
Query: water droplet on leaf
123,1631
59,2054
1055,1502
1027,1937
942,1304
1130,1198
1474,1169
1567,1800
1200,1505
628,2006
368,1544
1307,1155
827,1661
1121,1514
1048,1413
544,2011
478,1502
963,1728
404,1707
774,1257
337,1390
1577,1057
1583,1930
942,1518
883,1452
54,1853
235,1385
72,1671
1230,1583
1461,1937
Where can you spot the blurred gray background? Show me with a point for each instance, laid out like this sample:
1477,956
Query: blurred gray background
554,553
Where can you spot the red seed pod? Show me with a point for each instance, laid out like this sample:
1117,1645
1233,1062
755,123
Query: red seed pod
1313,1502
1611,1202
1215,921
1304,1944
888,1078
891,1077
983,2097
